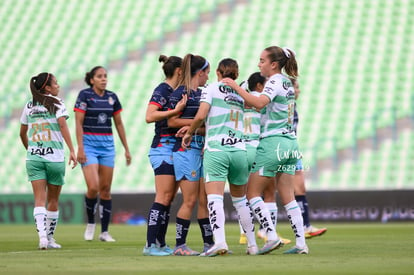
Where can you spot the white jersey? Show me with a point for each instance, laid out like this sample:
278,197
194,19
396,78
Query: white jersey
45,138
224,123
278,117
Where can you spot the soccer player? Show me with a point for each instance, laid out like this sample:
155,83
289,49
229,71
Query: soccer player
94,109
254,85
299,180
224,156
278,152
188,163
42,131
160,156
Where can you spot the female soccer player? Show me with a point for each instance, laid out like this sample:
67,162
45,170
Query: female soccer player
42,131
224,156
299,181
278,152
188,163
94,109
160,156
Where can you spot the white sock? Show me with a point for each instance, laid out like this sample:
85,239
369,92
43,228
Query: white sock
272,207
262,215
241,228
217,217
51,222
245,218
296,222
39,214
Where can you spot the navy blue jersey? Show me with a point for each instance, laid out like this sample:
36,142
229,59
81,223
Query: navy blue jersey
190,110
295,120
160,98
98,111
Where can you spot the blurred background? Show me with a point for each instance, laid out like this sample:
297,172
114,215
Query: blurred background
355,61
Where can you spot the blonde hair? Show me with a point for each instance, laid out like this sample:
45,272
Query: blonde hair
192,64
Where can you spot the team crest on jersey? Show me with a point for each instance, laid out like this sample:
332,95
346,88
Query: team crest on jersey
102,117
111,101
83,106
163,101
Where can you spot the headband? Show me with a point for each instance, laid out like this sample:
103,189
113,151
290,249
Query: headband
204,66
287,51
44,84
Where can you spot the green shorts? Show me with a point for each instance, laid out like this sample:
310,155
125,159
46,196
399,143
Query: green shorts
251,154
276,154
52,172
222,166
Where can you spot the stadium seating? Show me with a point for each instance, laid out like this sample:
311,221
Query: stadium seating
354,59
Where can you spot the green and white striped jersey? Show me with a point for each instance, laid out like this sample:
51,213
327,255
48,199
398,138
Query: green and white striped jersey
278,117
45,138
252,123
224,123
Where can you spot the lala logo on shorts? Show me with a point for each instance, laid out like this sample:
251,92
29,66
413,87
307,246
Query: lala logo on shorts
193,173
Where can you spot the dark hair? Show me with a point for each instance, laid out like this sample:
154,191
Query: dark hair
254,79
286,61
170,64
37,87
191,65
91,74
228,68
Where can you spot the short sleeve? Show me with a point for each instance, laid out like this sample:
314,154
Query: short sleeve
270,89
81,105
206,95
62,111
23,117
159,99
117,105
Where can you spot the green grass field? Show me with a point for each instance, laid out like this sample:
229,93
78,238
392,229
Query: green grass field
347,248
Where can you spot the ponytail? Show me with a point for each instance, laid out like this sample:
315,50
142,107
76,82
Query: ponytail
37,87
286,58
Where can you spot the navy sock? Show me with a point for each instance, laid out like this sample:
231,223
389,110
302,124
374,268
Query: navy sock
105,209
206,231
90,205
182,227
154,221
165,218
303,204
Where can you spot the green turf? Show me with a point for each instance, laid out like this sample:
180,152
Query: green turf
356,248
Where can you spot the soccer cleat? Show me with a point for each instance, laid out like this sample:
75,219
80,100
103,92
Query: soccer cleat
154,250
207,246
252,250
43,243
262,235
184,250
215,250
167,249
270,246
52,244
105,237
297,250
243,239
284,240
89,232
311,231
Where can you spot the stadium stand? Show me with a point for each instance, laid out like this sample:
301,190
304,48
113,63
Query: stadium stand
355,61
